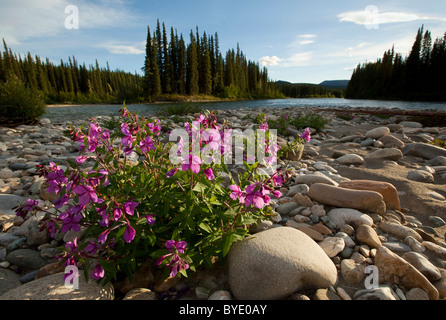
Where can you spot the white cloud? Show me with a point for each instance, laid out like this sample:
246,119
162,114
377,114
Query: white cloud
296,60
302,40
136,49
26,19
308,36
373,17
270,61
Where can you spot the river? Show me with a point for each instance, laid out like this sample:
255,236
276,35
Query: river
88,111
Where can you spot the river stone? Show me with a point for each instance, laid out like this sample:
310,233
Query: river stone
346,198
441,251
286,208
395,270
317,177
9,201
53,288
419,261
352,271
396,246
381,293
438,221
298,188
140,294
350,159
421,176
377,133
367,235
275,263
417,294
393,154
399,230
7,238
438,161
332,246
440,285
423,150
387,190
390,141
305,228
26,258
343,216
411,124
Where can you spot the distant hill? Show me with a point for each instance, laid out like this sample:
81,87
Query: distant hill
335,84
311,90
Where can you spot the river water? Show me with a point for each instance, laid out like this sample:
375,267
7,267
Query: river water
88,111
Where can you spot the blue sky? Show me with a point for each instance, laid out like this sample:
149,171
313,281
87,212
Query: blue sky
298,41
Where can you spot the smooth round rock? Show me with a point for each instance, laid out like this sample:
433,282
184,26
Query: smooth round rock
275,263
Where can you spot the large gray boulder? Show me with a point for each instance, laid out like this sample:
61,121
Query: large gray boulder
277,262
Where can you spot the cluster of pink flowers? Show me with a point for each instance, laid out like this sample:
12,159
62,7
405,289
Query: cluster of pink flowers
257,194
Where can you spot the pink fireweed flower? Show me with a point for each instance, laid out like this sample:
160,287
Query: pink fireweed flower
95,130
125,129
147,144
276,193
237,193
81,159
71,245
95,181
180,246
176,263
129,234
306,135
264,126
70,219
171,173
154,128
193,164
258,198
105,135
117,214
59,203
209,174
129,207
102,211
92,248
30,205
51,228
102,239
98,272
86,194
56,179
211,138
150,220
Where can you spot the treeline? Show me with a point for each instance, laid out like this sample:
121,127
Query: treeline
174,67
69,82
304,90
419,76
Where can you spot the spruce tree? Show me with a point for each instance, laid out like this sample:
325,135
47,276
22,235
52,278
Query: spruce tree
192,67
148,72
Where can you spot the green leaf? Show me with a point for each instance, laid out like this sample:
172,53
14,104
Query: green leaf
205,227
200,187
227,242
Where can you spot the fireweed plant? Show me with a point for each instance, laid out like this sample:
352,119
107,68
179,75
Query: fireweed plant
135,203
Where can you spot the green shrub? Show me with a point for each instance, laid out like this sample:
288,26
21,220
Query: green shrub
19,103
